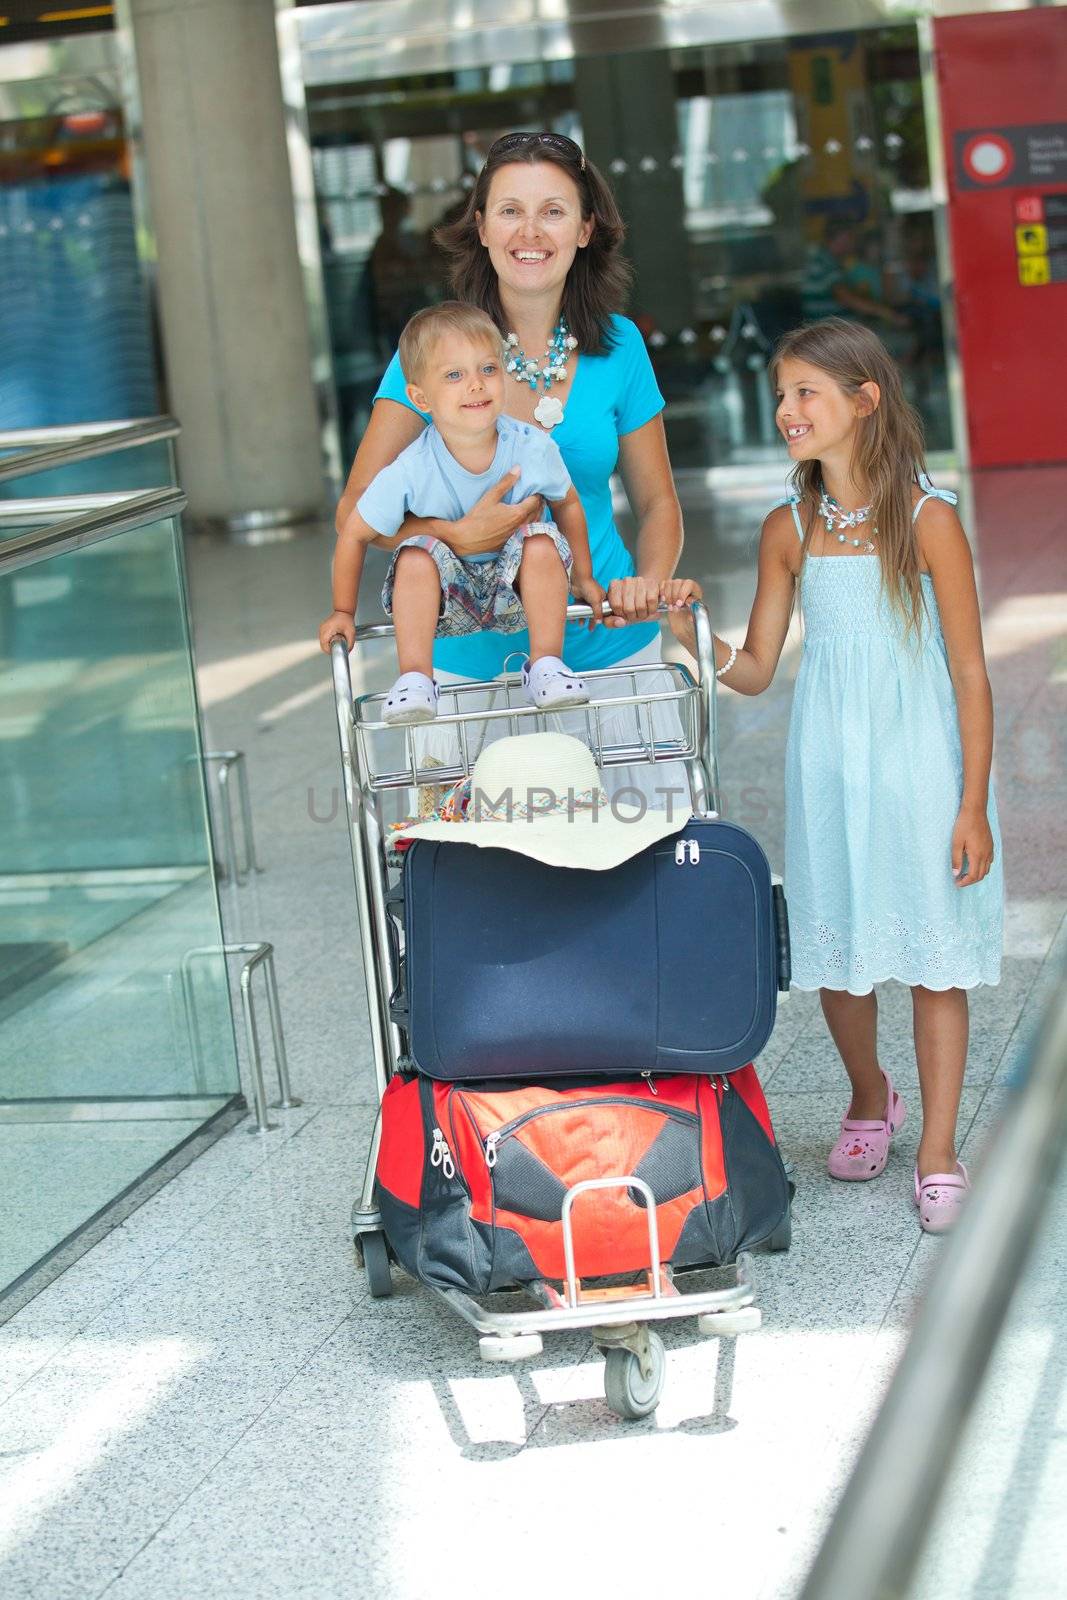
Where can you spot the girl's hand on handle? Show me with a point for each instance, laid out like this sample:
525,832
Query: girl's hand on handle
632,600
337,625
590,593
490,522
971,837
678,594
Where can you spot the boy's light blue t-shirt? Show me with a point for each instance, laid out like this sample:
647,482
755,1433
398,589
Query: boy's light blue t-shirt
427,480
608,396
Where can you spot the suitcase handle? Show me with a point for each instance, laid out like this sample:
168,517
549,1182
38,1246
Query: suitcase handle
584,1187
394,920
781,928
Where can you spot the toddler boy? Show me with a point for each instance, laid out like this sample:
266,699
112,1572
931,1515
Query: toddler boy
451,357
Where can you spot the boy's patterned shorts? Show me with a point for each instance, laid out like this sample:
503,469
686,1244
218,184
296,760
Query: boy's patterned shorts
478,595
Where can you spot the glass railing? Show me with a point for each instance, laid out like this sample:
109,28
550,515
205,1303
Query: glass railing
90,458
116,1042
960,1488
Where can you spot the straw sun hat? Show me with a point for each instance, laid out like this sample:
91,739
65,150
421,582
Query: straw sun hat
541,794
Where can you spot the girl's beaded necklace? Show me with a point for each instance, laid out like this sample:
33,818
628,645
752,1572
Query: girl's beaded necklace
552,367
835,516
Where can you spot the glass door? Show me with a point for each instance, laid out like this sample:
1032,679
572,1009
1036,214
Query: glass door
763,183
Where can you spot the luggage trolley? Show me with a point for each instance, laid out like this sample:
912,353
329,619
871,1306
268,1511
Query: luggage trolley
618,1318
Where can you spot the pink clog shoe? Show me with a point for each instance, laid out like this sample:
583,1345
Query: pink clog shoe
939,1198
863,1148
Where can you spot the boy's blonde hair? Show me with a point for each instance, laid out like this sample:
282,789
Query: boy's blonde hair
426,328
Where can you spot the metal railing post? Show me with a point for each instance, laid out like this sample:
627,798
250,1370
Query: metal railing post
258,955
224,760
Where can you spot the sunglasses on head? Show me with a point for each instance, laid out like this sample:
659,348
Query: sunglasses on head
554,141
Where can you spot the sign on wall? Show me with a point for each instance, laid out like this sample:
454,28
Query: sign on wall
1007,186
989,157
1041,238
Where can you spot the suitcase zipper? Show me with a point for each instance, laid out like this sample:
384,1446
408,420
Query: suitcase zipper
495,1139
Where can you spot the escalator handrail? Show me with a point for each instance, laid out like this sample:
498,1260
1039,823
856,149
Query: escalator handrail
41,449
45,508
88,528
875,1540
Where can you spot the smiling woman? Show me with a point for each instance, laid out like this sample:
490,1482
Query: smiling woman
538,247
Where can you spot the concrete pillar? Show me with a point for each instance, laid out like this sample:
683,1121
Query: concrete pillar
231,298
628,111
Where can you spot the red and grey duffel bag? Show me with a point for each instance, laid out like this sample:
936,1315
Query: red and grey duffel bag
471,1181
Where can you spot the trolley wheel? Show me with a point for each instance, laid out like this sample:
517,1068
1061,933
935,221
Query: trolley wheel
376,1264
782,1237
629,1393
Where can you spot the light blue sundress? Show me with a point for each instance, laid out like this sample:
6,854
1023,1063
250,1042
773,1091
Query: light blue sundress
874,776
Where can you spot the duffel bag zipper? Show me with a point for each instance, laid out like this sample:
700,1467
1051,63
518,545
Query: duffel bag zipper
441,1158
441,1155
495,1139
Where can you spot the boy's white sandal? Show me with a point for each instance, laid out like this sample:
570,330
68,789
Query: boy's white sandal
551,686
413,698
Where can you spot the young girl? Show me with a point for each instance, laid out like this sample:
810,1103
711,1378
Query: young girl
892,848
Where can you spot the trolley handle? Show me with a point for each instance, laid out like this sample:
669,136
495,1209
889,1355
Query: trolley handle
368,631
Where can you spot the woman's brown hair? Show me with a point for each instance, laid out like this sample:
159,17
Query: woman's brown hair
599,278
887,453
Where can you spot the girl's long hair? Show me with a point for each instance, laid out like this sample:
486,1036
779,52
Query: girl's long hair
599,278
887,453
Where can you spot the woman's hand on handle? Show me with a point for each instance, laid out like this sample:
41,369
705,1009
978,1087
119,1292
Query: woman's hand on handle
632,600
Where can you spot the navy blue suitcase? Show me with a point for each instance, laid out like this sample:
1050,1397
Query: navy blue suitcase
669,963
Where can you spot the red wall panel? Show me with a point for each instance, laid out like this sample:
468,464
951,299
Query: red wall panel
1003,90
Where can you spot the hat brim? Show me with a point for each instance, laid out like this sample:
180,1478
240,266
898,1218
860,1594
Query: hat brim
581,841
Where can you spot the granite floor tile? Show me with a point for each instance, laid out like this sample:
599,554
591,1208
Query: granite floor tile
97,1160
812,1062
101,1452
22,1354
721,1417
166,1219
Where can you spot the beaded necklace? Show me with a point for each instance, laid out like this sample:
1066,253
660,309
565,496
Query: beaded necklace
834,514
552,367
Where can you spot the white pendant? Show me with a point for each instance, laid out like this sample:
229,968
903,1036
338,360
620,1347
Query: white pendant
548,411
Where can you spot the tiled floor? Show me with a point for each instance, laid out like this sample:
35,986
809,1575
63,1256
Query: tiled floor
59,1174
208,1404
